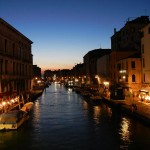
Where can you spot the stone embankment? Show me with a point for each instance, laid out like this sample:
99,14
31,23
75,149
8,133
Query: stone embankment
132,106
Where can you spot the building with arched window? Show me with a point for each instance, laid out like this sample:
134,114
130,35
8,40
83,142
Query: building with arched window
129,73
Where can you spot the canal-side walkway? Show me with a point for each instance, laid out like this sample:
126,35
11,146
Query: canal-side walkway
133,107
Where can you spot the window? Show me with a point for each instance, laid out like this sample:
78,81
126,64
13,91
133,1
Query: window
118,67
126,65
133,78
14,68
6,66
17,69
143,63
133,64
5,46
122,65
142,34
142,48
13,52
149,30
144,77
1,66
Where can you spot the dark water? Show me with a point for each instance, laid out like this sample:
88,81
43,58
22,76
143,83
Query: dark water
61,119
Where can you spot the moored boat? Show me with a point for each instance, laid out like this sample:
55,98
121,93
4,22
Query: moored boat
12,120
96,98
27,106
86,94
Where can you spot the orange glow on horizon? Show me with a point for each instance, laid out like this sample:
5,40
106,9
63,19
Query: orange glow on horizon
55,68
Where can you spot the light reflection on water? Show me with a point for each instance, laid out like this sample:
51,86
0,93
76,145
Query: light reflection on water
96,114
61,119
124,131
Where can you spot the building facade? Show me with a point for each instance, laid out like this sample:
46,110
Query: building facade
129,74
16,61
90,64
126,42
145,51
102,68
145,55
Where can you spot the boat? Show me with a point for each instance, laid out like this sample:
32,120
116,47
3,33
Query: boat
12,120
27,106
96,98
35,93
86,94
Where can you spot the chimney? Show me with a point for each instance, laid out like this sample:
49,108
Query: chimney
114,30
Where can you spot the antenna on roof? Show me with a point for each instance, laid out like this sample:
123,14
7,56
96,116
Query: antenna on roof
100,46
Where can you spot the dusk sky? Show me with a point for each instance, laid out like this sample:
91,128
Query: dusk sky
63,31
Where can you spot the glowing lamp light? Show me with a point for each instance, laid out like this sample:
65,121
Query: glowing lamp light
12,100
106,83
96,76
39,81
3,103
124,77
147,97
76,80
122,71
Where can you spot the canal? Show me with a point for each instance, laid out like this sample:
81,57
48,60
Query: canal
62,120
